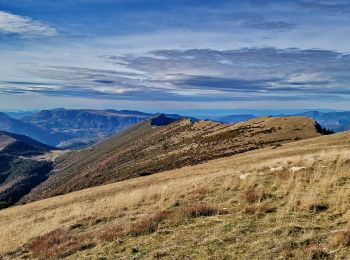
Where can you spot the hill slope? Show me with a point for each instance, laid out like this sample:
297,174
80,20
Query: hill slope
289,202
18,174
146,149
15,144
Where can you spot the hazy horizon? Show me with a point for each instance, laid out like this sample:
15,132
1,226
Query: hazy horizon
199,113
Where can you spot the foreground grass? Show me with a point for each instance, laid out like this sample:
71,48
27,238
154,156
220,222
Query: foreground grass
289,202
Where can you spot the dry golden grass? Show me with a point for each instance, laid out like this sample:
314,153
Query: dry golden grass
289,202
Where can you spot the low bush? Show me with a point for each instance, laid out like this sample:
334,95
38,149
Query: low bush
200,210
57,244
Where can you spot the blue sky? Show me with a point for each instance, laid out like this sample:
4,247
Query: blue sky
176,54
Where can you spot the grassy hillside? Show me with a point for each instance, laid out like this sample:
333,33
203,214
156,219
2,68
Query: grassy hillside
287,202
146,149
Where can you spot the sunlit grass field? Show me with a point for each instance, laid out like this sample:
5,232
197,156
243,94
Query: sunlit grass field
290,201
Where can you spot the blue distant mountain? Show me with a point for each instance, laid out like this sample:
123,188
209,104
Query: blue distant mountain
235,118
20,114
16,126
335,121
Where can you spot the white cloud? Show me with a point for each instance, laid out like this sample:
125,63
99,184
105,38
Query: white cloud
24,26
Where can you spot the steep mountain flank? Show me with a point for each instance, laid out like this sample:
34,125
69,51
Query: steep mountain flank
18,173
146,149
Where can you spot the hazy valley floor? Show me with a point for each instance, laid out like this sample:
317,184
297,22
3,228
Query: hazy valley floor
292,201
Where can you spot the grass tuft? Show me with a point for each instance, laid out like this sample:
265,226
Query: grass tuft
111,233
149,225
252,195
257,208
341,238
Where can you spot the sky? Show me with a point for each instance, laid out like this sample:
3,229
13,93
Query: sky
166,55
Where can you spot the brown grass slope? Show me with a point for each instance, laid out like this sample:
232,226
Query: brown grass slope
147,149
289,202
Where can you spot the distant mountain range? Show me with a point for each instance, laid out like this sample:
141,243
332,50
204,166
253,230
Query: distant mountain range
71,128
235,118
35,132
81,127
19,114
336,121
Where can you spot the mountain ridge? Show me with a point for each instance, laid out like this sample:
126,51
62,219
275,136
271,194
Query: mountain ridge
145,149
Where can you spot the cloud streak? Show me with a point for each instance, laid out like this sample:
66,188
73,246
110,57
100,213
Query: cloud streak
198,75
25,27
158,50
329,6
